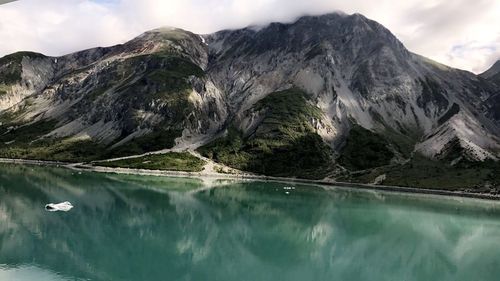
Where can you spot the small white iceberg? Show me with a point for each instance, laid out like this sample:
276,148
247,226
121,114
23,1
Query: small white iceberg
63,207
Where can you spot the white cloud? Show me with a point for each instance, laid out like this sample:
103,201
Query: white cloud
460,33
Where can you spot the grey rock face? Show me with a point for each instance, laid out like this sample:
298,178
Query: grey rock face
352,68
355,70
493,72
116,94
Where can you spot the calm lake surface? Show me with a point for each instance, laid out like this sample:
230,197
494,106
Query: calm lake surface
152,228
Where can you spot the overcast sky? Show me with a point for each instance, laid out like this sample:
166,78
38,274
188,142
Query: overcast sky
460,33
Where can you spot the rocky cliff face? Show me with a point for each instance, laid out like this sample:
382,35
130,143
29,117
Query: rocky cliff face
277,89
145,93
356,71
493,102
493,73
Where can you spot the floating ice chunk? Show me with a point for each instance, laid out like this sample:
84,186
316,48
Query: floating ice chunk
288,188
64,207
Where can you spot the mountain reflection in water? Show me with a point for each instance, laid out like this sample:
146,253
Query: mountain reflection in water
154,228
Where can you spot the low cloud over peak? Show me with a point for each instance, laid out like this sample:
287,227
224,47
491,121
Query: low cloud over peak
459,33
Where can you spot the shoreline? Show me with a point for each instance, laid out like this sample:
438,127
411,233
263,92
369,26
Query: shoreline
245,176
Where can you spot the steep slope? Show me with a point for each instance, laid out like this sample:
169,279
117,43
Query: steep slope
325,96
356,72
493,103
493,73
276,137
131,98
19,79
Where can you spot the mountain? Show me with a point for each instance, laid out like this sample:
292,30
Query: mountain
493,73
493,102
334,96
137,96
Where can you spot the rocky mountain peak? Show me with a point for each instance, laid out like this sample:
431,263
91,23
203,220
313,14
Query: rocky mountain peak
342,31
311,83
492,72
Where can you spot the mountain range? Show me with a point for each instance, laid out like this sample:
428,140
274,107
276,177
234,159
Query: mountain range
333,96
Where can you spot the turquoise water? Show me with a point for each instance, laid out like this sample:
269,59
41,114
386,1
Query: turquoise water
150,228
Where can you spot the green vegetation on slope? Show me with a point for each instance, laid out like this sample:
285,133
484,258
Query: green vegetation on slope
421,172
287,115
25,133
165,80
66,150
156,140
284,144
365,149
27,142
166,84
11,68
18,57
370,152
172,161
163,88
3,89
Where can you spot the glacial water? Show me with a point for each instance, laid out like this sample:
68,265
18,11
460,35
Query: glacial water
152,228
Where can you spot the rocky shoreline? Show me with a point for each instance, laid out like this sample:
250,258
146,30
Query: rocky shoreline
248,176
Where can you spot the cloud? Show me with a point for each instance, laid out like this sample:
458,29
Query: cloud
460,33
